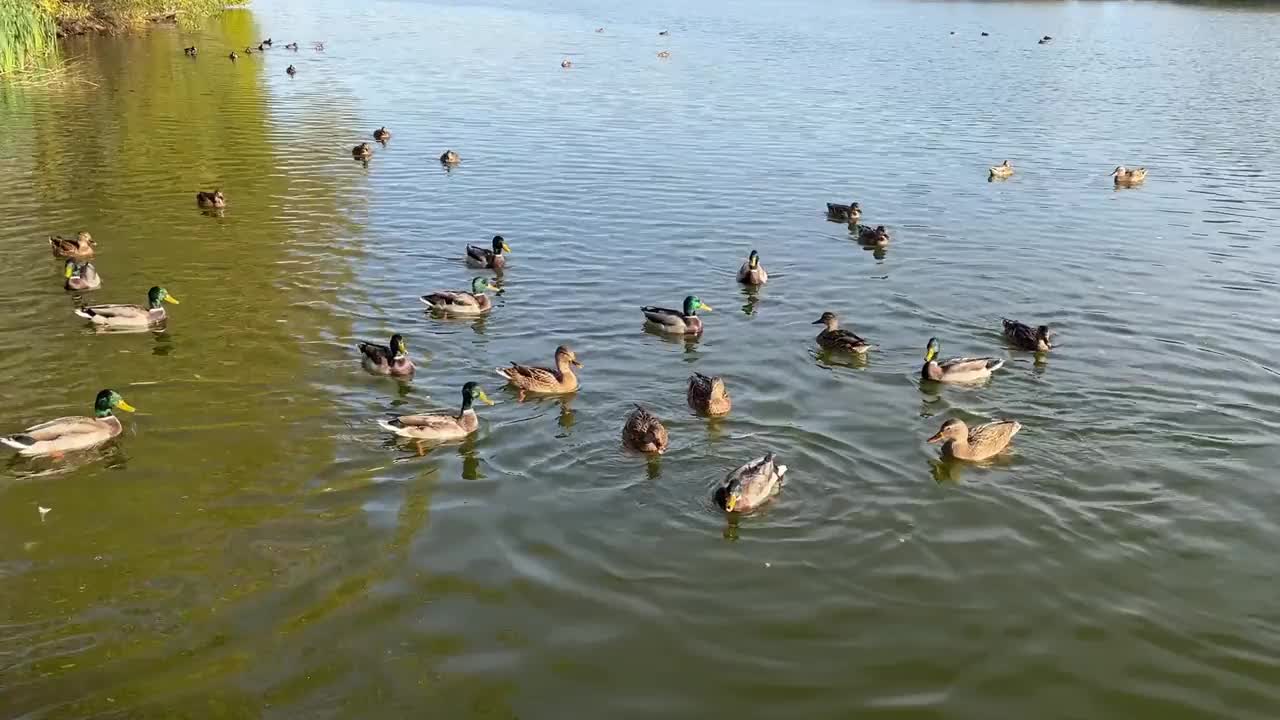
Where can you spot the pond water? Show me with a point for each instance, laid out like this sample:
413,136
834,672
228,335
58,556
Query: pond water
254,546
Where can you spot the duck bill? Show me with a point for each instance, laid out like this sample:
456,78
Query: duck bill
122,405
171,299
69,270
706,307
730,503
937,437
506,247
576,363
818,322
484,398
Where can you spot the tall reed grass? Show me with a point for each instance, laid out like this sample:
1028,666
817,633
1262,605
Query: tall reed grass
27,32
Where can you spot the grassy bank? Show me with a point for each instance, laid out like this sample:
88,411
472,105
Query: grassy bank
27,32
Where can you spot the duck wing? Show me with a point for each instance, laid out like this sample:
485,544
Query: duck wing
479,254
1019,334
993,437
959,365
62,427
115,312
451,298
661,315
525,374
376,353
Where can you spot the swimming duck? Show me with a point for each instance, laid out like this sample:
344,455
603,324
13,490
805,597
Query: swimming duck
130,316
833,338
233,55
986,34
267,42
213,199
1125,176
291,70
262,47
319,46
81,246
544,380
751,485
441,427
363,151
248,50
977,443
390,359
678,322
664,32
81,276
1045,40
752,272
190,51
664,54
644,432
844,213
708,395
1001,171
382,134
867,235
493,259
72,433
566,63
292,46
461,302
450,157
957,369
1024,337
599,29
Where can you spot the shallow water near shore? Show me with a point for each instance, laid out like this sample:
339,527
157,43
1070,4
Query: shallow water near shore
254,545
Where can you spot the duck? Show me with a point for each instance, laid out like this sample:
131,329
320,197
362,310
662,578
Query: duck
664,32
391,359
319,46
190,51
267,42
957,370
1001,171
81,246
449,157
677,322
213,199
1125,176
262,47
131,316
72,433
462,302
291,70
81,276
363,151
985,34
441,427
844,213
833,338
867,235
664,54
1046,40
707,395
1024,337
291,46
977,443
644,432
566,63
751,485
233,55
752,272
599,29
492,259
382,134
248,50
544,380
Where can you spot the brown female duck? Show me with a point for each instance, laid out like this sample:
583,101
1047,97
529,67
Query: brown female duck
81,246
644,432
978,443
708,395
213,199
545,380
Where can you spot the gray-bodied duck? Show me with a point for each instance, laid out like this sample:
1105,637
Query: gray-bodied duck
751,485
957,370
392,359
80,275
677,322
131,316
977,443
485,258
461,302
72,433
441,427
752,272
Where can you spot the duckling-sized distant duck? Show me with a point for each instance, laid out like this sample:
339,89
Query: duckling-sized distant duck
544,380
291,70
1046,40
233,55
449,157
213,199
708,395
441,427
834,338
492,259
677,322
130,316
363,151
957,370
752,272
382,134
664,32
81,276
267,42
850,213
566,63
390,359
664,54
461,302
72,433
876,236
292,46
1126,177
1000,172
190,51
1024,337
977,443
81,246
751,485
248,50
644,432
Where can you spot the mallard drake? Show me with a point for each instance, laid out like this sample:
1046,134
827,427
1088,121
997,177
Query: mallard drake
233,55
363,151
677,322
751,485
213,199
833,338
190,51
291,46
130,316
644,432
1024,337
81,276
461,302
81,246
291,70
493,259
544,380
664,54
441,427
1125,176
958,370
977,443
72,433
390,359
844,213
566,63
877,236
752,272
449,157
382,134
708,395
1001,171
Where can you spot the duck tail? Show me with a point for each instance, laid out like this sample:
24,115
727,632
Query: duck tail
18,442
85,313
503,372
386,425
995,364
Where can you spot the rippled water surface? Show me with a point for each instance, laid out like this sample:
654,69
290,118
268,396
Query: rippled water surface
254,546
